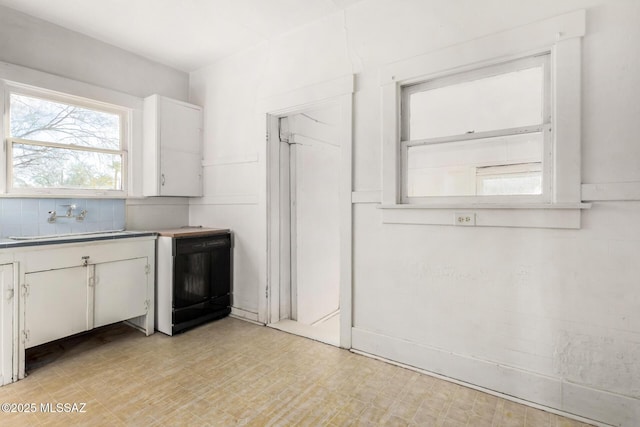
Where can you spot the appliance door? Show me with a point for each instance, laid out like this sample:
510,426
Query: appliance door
202,277
191,278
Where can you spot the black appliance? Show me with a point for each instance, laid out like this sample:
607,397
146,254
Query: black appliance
202,277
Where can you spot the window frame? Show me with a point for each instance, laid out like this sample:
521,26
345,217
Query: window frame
545,128
124,113
562,37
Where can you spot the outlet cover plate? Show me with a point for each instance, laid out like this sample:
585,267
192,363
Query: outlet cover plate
464,218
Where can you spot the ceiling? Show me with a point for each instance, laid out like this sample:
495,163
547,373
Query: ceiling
184,34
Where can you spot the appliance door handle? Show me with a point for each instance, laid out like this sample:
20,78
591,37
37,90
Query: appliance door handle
162,179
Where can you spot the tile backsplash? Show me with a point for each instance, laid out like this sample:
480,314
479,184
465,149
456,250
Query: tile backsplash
28,217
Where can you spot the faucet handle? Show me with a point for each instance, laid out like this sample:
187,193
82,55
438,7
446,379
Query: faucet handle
83,213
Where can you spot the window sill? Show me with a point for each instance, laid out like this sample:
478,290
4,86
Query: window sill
561,215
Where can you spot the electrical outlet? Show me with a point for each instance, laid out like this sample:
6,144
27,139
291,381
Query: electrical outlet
464,218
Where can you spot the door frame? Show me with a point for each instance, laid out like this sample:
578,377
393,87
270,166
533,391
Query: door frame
338,92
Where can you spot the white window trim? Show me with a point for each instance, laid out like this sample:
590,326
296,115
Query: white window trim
562,37
14,88
544,128
15,75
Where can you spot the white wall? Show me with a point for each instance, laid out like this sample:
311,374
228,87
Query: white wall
315,213
546,315
34,43
30,42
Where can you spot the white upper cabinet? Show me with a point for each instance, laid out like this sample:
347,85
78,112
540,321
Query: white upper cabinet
172,148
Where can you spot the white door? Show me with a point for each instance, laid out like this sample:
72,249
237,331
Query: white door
315,208
120,291
56,304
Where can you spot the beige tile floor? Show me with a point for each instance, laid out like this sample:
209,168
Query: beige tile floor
231,372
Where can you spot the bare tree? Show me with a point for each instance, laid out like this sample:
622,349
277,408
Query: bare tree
35,121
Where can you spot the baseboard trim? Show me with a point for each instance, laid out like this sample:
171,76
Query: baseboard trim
551,394
241,314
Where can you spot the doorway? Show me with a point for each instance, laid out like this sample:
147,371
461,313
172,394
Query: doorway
310,152
308,203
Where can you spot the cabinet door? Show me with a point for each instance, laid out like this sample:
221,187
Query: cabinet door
180,126
56,304
180,149
120,290
173,148
6,323
181,173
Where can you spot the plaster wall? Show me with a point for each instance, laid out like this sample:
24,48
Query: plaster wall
549,316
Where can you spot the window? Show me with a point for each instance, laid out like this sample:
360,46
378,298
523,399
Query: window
478,136
489,127
61,144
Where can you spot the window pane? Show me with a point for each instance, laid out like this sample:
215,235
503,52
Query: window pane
508,100
48,121
455,168
48,167
524,178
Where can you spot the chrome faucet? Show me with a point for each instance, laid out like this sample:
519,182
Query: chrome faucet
53,216
70,209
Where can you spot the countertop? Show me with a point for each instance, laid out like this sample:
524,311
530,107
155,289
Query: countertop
72,238
191,232
108,235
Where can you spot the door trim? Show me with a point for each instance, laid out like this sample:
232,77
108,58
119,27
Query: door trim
337,92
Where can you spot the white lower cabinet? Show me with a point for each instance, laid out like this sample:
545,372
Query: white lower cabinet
55,305
70,288
120,291
7,323
66,301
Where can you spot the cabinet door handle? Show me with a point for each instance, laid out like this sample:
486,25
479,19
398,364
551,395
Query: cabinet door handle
162,179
